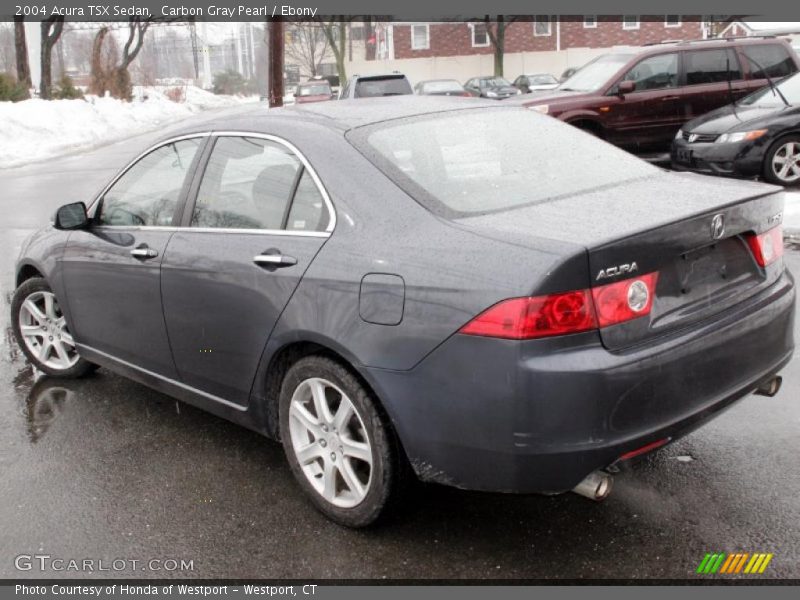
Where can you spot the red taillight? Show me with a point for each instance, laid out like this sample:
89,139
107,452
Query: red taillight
624,300
540,316
567,312
766,247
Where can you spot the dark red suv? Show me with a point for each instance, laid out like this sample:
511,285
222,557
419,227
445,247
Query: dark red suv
638,98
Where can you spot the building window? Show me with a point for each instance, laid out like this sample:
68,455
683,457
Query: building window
420,37
589,21
541,25
480,37
630,22
672,21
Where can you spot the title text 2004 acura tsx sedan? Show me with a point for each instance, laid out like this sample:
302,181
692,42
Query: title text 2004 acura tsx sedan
424,285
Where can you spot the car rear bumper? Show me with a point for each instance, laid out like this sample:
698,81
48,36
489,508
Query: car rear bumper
539,416
743,159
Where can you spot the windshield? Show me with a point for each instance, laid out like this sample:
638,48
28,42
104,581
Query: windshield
314,90
442,86
541,80
595,74
789,87
390,86
494,82
467,162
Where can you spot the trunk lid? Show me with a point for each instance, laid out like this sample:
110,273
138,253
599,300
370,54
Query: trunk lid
663,224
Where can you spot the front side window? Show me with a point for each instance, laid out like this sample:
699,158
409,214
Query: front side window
420,37
148,193
655,73
711,66
769,60
541,25
478,161
250,183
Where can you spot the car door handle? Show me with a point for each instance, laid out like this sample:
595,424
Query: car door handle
144,251
275,260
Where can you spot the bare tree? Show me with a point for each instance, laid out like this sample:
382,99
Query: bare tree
308,46
51,31
7,57
115,77
335,32
496,31
21,50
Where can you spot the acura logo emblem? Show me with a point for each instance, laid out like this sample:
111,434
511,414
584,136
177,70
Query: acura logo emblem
717,227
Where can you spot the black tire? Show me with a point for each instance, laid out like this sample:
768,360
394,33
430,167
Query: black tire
386,467
767,168
28,288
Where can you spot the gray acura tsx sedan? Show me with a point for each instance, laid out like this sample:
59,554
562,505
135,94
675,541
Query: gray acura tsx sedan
457,291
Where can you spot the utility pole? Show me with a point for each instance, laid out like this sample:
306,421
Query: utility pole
275,62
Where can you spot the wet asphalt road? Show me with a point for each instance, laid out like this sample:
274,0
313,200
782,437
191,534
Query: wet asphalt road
105,468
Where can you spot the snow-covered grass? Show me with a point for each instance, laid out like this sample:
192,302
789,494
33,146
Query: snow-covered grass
35,130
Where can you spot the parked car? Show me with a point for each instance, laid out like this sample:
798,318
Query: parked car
638,99
440,87
758,136
496,88
535,83
379,286
372,86
312,91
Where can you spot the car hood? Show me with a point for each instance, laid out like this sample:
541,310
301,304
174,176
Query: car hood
726,118
554,95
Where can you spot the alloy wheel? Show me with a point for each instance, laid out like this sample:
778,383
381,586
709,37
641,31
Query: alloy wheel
786,162
45,333
330,442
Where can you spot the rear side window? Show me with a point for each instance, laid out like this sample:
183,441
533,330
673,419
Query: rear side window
252,183
711,66
479,161
768,60
148,193
390,86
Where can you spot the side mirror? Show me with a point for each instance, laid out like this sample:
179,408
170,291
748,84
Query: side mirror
626,87
72,216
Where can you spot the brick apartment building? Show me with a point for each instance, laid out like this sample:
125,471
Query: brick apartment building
536,44
544,33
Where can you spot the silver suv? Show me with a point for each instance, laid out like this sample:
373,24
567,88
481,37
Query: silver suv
372,86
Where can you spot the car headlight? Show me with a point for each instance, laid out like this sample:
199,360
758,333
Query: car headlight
542,108
491,94
740,136
519,91
679,135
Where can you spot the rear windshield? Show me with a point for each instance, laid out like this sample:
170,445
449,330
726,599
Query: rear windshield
318,89
387,86
442,86
469,162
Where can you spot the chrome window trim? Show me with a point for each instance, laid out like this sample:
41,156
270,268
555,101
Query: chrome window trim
174,382
264,136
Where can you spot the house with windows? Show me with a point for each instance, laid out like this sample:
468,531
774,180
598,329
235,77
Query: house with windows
543,43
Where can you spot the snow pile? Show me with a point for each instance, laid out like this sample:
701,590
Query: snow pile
34,130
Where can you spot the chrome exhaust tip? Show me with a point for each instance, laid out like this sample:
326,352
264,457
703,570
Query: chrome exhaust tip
597,486
770,387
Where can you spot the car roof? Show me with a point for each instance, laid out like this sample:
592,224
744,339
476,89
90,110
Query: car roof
340,115
709,43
